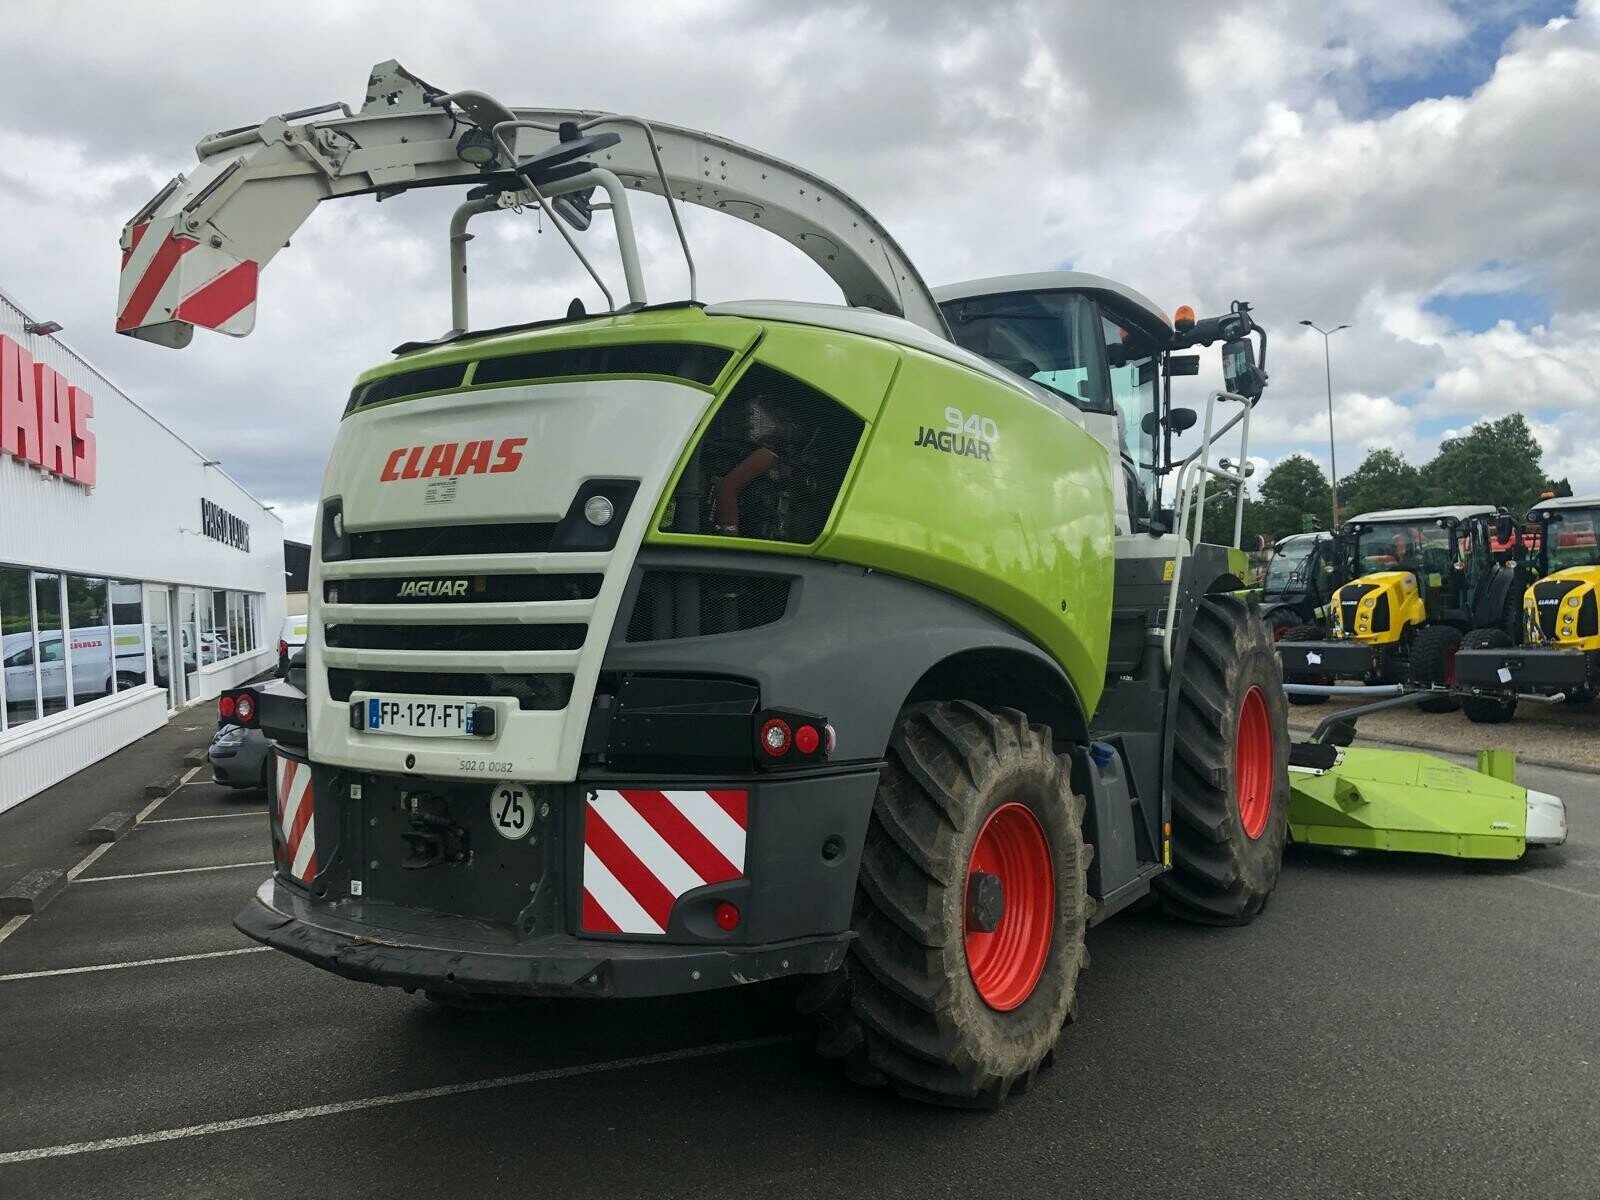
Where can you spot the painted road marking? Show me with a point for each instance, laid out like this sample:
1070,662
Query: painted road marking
175,871
433,1093
1560,887
143,962
249,812
13,925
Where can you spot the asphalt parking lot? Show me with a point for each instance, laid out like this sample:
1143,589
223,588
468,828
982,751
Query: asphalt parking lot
1390,1027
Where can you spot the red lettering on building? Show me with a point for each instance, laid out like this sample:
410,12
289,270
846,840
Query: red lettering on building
43,419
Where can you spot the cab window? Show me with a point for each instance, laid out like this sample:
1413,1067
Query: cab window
1052,338
1132,359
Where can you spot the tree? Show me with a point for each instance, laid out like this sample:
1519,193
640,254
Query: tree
1293,489
1495,462
1557,487
1383,480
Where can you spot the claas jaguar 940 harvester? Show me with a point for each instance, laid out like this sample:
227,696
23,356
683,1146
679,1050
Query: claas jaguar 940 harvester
680,646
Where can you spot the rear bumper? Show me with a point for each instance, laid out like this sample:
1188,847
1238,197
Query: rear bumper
1525,669
455,957
1306,662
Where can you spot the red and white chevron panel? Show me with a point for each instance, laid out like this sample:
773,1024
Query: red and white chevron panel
296,819
644,849
166,277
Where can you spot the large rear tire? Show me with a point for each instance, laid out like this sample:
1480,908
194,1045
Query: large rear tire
970,912
1230,770
1306,633
1488,710
1433,663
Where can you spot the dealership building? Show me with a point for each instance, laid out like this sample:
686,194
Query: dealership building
136,577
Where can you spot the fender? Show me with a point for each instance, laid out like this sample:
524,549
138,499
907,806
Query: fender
1491,604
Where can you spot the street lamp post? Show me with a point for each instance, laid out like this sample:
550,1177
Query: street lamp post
1327,368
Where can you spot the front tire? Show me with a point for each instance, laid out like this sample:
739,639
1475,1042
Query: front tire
1230,770
1488,710
970,911
1433,663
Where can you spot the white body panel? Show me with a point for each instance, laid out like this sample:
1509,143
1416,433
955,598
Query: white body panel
616,429
1547,819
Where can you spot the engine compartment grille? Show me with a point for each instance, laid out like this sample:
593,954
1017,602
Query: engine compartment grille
681,604
463,589
526,537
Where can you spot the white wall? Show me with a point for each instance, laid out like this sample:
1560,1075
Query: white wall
141,521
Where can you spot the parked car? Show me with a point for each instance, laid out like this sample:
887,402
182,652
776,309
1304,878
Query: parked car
239,756
93,673
291,637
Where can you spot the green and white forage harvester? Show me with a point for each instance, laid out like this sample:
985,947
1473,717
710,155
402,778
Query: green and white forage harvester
681,646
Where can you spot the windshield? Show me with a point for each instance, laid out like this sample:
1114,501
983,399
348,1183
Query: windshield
1570,540
1052,338
1403,546
1287,570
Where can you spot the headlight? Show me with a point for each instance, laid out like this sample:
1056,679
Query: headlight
229,735
1574,601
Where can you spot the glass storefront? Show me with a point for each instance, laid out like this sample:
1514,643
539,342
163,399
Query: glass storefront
72,640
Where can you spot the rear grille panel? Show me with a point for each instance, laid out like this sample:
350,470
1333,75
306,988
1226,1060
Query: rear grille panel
680,604
434,541
463,589
675,360
426,638
533,693
407,383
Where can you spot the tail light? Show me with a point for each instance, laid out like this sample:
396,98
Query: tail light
283,649
791,739
239,706
225,706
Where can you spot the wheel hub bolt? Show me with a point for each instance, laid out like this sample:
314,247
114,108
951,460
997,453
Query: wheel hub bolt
986,902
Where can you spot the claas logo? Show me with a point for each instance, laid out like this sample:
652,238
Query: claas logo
453,458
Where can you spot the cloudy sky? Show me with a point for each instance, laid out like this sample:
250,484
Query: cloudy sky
1426,171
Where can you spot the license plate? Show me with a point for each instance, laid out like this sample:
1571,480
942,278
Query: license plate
437,716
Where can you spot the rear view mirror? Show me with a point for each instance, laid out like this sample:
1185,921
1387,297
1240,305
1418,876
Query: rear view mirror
1180,419
1240,375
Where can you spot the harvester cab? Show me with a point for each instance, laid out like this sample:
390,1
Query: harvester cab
1553,650
680,646
1420,580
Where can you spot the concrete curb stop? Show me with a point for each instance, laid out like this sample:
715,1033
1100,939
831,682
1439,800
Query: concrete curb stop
195,758
110,827
32,892
162,787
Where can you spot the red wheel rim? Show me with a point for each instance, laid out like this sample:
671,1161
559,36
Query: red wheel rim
1006,963
1278,631
1252,764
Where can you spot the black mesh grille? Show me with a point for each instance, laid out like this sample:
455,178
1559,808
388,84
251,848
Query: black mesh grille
1588,616
1349,601
462,589
770,463
407,383
1380,614
455,637
677,360
680,604
434,540
532,692
1549,598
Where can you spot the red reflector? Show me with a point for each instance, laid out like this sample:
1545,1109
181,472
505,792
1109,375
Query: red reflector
246,708
775,737
806,739
283,649
225,706
727,916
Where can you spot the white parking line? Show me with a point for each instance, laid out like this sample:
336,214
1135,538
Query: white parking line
249,812
13,925
175,871
142,962
433,1093
1560,887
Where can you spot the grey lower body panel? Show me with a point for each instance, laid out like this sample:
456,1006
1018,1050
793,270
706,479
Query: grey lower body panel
451,955
1530,669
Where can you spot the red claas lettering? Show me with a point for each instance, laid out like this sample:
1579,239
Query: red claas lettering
19,403
85,460
55,422
430,462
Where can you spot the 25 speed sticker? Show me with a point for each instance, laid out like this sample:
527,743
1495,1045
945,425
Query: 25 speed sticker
511,810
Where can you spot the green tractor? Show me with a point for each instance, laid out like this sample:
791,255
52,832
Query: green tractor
681,646
1420,579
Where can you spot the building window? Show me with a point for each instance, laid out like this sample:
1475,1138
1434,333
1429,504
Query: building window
93,672
128,633
51,646
227,625
17,648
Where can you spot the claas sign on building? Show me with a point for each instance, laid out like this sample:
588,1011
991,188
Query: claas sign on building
44,420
